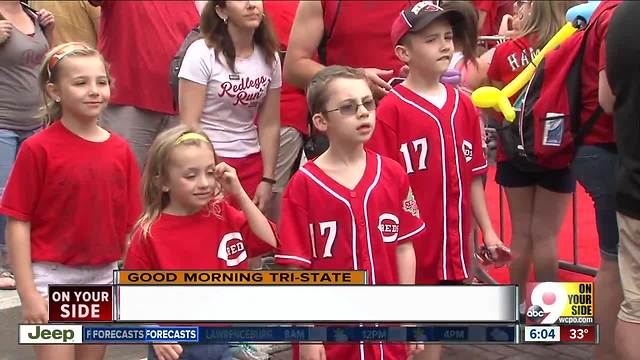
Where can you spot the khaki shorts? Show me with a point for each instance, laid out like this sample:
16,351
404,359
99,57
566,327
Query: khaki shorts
45,273
139,127
288,153
629,263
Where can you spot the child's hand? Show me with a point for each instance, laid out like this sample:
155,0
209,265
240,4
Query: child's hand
413,349
227,177
167,351
494,251
34,308
312,352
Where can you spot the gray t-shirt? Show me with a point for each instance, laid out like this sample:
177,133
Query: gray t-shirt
20,96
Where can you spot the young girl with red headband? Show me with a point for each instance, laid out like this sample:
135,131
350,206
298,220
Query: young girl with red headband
73,194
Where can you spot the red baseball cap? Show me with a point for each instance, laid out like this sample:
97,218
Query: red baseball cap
418,17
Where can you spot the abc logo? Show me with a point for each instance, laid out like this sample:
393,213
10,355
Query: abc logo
535,313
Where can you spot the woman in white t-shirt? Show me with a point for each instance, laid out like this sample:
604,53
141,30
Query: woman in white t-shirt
230,81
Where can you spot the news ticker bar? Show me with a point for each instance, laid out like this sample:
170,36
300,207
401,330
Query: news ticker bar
283,304
281,277
85,334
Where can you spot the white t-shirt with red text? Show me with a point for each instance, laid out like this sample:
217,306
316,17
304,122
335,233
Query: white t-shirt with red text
233,99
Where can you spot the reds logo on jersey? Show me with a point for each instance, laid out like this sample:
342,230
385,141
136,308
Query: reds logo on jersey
231,249
389,225
467,150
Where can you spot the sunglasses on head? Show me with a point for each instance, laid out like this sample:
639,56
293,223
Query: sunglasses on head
351,108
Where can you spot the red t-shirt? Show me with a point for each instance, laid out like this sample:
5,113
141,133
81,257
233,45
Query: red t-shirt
216,238
509,59
441,151
81,197
138,39
361,36
356,229
491,21
595,61
293,104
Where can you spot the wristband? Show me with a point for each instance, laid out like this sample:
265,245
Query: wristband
268,180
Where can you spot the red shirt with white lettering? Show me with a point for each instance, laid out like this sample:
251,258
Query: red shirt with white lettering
81,198
293,103
509,59
441,151
595,61
138,39
326,226
216,238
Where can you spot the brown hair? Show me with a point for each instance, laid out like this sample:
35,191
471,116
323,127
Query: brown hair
547,17
216,35
465,32
317,90
155,172
50,69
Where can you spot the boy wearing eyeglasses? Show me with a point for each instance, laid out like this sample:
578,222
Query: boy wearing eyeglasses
350,208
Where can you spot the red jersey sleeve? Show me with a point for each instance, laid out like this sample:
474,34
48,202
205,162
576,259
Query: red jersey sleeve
134,195
254,245
412,227
384,140
20,196
295,243
137,257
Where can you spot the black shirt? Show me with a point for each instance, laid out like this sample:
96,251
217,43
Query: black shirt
623,73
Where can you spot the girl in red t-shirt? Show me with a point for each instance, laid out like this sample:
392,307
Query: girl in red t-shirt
187,225
537,201
73,194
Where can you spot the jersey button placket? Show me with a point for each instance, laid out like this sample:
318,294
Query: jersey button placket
361,239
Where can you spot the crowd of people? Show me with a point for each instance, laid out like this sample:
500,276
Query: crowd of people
332,135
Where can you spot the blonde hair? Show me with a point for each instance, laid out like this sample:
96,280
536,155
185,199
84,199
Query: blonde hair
155,171
546,18
49,70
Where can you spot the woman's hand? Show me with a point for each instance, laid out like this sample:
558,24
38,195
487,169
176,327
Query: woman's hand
263,195
5,30
48,22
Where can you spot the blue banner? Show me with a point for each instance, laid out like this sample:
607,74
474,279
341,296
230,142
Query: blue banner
139,334
480,333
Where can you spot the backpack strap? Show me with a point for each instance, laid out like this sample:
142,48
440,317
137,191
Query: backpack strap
326,35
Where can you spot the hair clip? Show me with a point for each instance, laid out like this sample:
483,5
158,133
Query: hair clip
191,136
